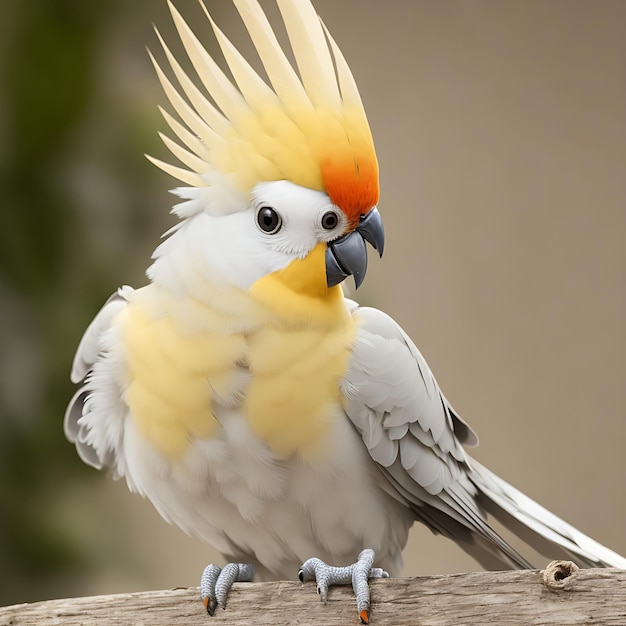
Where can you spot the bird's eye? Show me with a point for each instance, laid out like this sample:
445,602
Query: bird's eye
268,220
330,220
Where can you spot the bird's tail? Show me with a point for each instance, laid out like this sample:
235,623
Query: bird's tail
538,527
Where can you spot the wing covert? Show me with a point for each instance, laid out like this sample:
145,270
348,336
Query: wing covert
391,393
416,438
95,415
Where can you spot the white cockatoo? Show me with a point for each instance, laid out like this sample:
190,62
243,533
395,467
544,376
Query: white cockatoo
239,391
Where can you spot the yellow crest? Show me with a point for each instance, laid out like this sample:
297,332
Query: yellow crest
309,129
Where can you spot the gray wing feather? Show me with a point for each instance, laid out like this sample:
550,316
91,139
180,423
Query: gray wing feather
391,391
411,431
539,527
416,437
89,346
79,411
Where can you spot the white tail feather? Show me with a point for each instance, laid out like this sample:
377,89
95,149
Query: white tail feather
546,525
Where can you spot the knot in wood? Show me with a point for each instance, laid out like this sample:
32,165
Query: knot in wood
558,573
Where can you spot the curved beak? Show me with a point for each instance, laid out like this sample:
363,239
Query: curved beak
347,256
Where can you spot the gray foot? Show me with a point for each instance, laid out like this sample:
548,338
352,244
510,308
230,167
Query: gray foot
216,582
358,574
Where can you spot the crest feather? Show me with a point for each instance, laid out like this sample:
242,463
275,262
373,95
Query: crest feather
253,88
311,51
187,114
223,92
282,76
310,129
188,138
193,180
192,161
347,84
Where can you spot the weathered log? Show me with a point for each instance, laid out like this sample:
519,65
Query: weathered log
560,595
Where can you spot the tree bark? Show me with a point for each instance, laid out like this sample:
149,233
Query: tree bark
559,595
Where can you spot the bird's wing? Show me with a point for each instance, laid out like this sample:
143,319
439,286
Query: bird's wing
95,427
416,438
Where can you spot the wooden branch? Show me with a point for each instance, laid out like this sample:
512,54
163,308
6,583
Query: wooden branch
561,595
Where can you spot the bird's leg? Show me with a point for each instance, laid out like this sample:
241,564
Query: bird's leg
216,582
358,574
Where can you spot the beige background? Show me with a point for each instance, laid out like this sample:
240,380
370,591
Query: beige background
501,135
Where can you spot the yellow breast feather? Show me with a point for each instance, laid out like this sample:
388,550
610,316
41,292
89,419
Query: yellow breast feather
294,394
174,376
183,358
297,361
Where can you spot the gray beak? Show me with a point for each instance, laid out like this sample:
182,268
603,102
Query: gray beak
347,256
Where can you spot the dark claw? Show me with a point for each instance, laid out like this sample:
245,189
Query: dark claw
216,583
210,604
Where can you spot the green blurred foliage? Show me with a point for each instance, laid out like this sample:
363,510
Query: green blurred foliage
48,54
51,281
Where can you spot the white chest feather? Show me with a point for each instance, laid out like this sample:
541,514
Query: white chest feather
233,493
264,466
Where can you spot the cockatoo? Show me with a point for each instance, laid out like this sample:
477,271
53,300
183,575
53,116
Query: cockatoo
239,391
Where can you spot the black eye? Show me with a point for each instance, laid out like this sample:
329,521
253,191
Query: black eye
268,220
330,220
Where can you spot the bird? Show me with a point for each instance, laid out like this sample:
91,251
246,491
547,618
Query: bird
240,390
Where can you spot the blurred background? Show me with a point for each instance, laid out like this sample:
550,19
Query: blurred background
501,135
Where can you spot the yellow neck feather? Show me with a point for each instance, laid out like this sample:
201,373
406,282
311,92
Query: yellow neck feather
298,293
297,345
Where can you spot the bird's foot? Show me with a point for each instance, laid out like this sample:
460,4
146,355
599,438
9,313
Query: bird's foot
216,582
358,574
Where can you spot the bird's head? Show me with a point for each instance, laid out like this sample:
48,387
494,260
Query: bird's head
283,179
